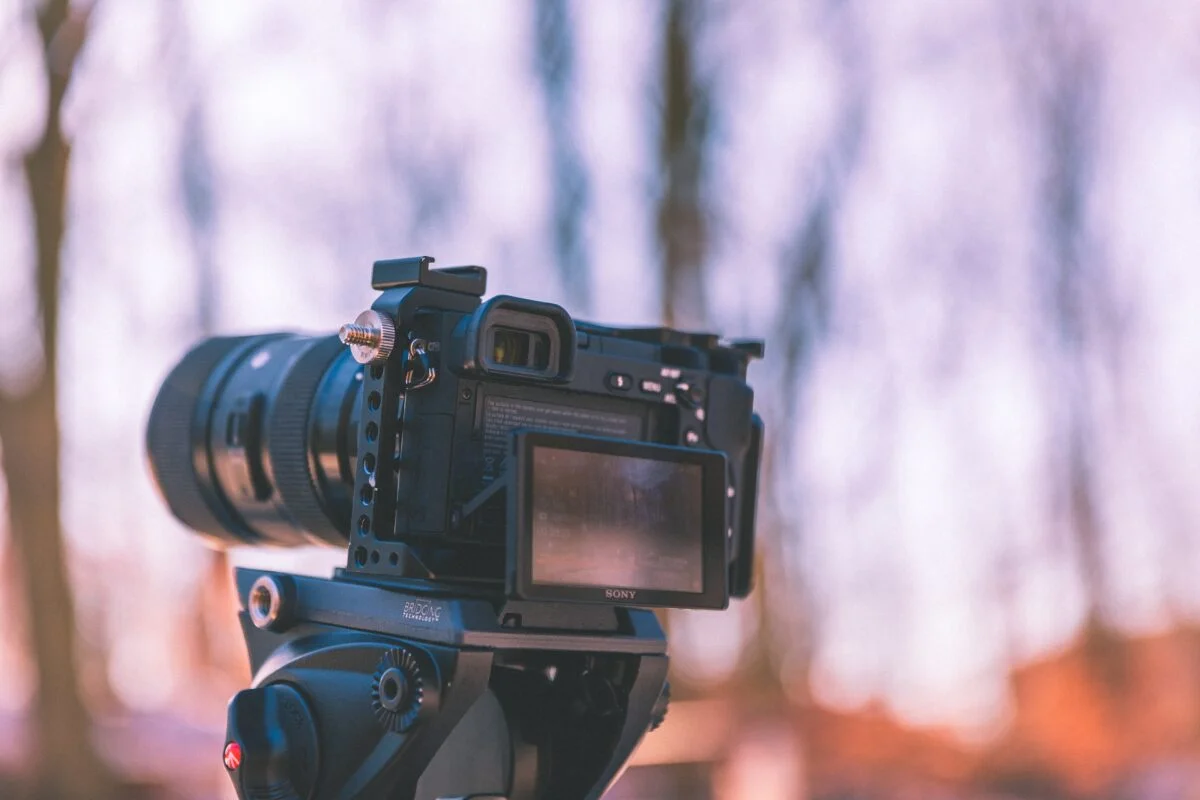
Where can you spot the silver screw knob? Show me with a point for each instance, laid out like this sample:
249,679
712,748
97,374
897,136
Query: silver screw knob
371,337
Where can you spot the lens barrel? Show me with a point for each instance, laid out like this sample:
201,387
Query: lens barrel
250,439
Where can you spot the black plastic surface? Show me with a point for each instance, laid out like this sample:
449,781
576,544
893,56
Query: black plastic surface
398,272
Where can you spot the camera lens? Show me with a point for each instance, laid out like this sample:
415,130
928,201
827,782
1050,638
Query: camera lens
248,439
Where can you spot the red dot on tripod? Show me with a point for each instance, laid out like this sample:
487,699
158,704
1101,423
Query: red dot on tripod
233,756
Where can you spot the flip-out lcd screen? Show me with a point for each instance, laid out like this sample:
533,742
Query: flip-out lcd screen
616,521
602,519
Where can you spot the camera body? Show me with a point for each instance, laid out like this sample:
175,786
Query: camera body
454,505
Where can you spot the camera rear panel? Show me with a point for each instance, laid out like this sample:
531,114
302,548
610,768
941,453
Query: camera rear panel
512,365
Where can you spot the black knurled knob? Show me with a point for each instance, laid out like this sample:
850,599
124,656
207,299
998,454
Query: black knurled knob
271,744
402,692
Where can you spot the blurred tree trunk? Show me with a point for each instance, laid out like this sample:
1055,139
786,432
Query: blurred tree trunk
1061,76
682,222
215,634
212,632
683,150
808,266
1067,111
808,262
555,36
67,764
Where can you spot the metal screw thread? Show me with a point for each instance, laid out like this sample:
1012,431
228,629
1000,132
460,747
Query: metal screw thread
352,334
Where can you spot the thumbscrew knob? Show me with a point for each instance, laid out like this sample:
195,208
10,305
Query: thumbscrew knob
371,337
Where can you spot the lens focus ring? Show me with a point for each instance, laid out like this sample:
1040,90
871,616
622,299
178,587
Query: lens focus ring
173,438
289,442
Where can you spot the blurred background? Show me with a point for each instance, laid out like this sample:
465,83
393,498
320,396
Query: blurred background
968,231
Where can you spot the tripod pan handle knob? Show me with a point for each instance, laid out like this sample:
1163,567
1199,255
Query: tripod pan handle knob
271,744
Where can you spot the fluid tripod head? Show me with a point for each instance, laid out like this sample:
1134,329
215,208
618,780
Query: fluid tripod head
514,487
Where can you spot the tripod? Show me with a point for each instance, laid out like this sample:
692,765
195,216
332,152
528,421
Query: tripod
383,693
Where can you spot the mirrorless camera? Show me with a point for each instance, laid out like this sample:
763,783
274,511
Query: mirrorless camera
481,447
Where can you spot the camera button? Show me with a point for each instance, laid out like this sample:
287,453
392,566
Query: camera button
619,381
691,437
651,387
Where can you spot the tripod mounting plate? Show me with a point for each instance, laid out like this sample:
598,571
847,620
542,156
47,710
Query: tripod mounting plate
458,621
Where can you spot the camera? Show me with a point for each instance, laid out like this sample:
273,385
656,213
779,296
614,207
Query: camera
513,488
480,446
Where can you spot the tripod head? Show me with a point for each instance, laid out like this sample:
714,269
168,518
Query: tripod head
363,691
